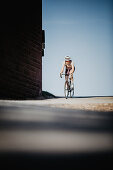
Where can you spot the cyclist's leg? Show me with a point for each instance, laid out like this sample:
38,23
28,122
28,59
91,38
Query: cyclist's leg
72,81
66,79
71,76
66,76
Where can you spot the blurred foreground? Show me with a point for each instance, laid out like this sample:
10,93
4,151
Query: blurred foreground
38,136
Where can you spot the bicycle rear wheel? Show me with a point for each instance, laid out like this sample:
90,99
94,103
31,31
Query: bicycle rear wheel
72,91
66,90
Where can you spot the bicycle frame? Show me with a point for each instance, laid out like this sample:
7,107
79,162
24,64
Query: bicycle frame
67,87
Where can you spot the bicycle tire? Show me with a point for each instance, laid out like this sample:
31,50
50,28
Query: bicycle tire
72,92
66,92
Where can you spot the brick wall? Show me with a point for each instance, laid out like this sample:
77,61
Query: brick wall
21,52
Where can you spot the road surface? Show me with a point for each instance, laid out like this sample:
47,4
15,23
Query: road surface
36,135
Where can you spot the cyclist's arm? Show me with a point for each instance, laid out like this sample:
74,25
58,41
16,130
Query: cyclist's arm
72,70
62,68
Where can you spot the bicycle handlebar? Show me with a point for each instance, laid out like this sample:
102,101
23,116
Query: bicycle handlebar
66,74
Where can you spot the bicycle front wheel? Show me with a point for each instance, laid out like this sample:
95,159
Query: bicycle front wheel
66,90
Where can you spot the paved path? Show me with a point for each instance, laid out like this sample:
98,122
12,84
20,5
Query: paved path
91,103
32,130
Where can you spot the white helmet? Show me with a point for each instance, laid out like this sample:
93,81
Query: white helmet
67,58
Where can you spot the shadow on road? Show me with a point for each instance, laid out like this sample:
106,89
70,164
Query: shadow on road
56,161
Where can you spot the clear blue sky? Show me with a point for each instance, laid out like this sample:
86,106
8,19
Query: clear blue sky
82,29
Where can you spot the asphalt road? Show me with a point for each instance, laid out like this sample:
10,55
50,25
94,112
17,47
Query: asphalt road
33,136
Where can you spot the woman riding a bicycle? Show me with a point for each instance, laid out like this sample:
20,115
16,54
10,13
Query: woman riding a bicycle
69,69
